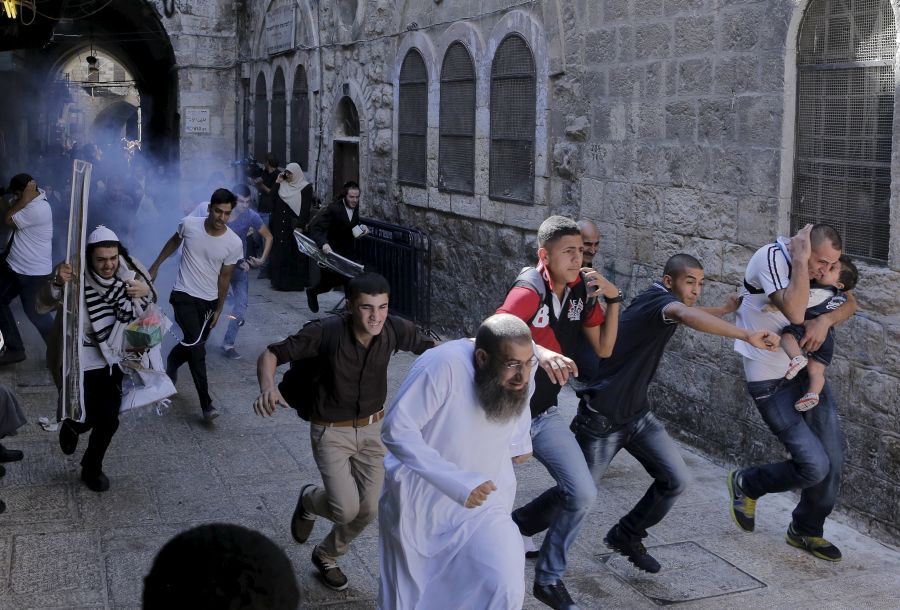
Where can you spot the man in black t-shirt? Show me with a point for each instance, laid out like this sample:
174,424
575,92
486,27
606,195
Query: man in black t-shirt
614,412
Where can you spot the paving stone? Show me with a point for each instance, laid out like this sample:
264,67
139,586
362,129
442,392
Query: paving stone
691,573
50,564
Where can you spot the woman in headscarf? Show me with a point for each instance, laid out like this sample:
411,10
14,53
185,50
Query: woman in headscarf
288,269
117,289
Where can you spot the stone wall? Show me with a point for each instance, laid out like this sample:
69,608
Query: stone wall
671,125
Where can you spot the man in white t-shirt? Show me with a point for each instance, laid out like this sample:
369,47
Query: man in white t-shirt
779,274
28,263
211,250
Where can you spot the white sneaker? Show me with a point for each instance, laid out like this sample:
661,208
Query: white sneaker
798,363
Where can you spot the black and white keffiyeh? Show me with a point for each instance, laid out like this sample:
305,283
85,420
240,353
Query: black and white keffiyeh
109,308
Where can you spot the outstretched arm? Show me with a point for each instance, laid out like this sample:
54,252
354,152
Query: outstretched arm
167,250
732,302
693,317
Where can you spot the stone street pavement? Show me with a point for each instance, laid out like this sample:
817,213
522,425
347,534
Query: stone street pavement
63,546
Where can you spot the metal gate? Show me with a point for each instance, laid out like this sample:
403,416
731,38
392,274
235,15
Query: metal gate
403,256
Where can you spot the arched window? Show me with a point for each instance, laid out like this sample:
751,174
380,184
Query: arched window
279,117
260,121
412,166
300,119
845,113
513,102
456,155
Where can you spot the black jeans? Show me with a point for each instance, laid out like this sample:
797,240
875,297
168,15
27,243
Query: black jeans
25,287
193,315
102,389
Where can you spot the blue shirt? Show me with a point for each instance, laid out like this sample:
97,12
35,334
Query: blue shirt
247,220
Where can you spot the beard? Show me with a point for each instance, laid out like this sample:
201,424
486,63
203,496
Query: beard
500,404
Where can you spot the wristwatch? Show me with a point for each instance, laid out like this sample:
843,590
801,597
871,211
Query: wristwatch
616,299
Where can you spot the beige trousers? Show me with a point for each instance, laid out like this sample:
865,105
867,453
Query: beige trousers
351,462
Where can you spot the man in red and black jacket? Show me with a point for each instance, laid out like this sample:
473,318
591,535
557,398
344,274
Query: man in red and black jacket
558,299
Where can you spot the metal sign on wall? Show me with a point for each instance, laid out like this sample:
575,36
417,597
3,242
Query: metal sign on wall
196,120
280,30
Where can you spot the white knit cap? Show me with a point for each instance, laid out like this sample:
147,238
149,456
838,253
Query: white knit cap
101,234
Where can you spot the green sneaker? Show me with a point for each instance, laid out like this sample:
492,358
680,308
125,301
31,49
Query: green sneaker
743,507
816,545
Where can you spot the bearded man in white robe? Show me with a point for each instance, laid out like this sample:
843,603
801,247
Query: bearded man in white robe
459,422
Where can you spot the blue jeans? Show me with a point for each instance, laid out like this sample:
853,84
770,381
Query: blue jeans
647,440
240,285
815,443
560,509
25,287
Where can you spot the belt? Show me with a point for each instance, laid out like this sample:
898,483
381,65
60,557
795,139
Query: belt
351,423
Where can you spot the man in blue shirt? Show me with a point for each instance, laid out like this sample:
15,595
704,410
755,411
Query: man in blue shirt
614,412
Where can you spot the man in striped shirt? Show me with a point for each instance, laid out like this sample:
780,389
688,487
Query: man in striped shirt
779,274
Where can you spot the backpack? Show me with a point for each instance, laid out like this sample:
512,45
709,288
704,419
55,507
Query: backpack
530,277
299,385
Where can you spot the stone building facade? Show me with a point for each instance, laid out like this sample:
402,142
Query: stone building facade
704,126
679,125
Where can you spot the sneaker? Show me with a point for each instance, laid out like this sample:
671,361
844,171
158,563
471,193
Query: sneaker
531,552
743,507
68,438
332,576
210,413
798,363
818,546
556,596
312,301
302,521
634,550
10,455
807,402
11,357
96,481
231,353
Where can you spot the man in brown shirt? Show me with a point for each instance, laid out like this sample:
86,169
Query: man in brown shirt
353,350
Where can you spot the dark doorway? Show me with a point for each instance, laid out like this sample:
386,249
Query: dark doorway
346,164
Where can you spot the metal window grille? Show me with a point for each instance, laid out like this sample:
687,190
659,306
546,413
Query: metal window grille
279,116
412,150
513,102
456,140
260,120
300,119
845,113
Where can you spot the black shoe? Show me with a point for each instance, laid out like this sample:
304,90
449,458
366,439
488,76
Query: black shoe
816,545
11,357
332,575
231,353
634,550
2,507
312,301
743,507
302,521
210,413
96,481
556,596
10,455
68,438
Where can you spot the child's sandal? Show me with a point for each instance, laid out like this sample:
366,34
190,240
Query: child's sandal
798,363
809,400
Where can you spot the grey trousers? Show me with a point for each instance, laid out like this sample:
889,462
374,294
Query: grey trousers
351,462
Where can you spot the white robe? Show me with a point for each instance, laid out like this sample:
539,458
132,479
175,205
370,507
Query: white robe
435,553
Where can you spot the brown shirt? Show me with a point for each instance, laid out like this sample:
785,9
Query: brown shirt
353,379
